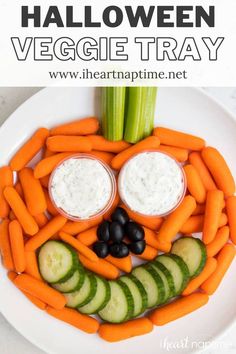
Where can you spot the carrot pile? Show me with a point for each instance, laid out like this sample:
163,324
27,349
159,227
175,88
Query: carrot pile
29,219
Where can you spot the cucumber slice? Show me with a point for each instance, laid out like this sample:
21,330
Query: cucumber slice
100,299
73,283
193,252
138,292
178,270
57,261
163,278
120,307
82,296
152,283
169,278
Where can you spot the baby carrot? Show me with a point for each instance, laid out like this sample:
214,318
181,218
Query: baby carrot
84,126
179,139
47,153
196,160
151,239
219,241
207,271
150,222
213,211
151,142
194,183
22,214
74,228
178,153
19,189
88,237
41,220
32,265
103,155
200,209
49,230
148,254
124,264
117,332
6,179
231,212
33,192
50,207
219,170
178,308
5,246
173,223
40,290
29,149
74,318
79,246
45,181
99,143
17,246
101,267
224,259
195,223
46,166
61,143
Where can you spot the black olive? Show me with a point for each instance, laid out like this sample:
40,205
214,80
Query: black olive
134,231
120,215
119,250
103,231
137,247
117,232
101,249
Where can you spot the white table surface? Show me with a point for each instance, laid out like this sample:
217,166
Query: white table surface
11,342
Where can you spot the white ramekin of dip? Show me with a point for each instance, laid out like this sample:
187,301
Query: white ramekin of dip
152,183
82,187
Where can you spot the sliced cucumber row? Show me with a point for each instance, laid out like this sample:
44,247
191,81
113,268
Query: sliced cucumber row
74,283
85,294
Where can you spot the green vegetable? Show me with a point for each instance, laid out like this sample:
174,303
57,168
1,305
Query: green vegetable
113,111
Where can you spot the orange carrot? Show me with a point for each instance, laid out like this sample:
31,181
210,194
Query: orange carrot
74,318
178,139
173,223
99,143
84,126
195,224
178,153
101,267
132,328
61,143
17,246
47,153
194,183
207,271
219,170
178,308
45,181
231,212
40,290
40,304
33,192
6,179
200,209
219,241
74,228
46,166
5,245
19,189
150,142
49,230
41,220
151,240
19,208
196,160
213,211
88,237
29,149
79,246
124,264
50,207
32,265
148,254
103,155
224,259
115,204
150,222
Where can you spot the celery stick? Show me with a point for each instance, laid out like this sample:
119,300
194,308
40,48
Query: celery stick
149,110
113,108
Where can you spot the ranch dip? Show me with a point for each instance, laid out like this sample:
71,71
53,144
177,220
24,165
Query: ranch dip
81,187
151,183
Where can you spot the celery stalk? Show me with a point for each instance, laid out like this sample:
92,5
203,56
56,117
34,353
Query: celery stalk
113,110
149,110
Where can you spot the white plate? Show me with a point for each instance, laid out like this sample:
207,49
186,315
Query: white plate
185,109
